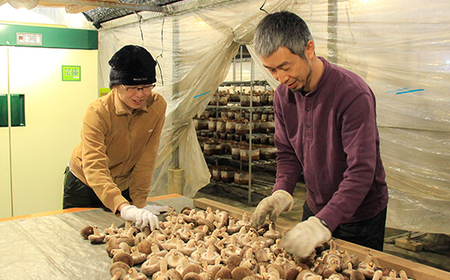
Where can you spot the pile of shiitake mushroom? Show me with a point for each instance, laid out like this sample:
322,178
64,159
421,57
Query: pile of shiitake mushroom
210,245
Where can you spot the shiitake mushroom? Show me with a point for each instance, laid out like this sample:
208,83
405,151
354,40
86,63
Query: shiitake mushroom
231,267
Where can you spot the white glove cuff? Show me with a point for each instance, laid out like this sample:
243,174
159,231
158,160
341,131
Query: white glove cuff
126,208
289,196
324,233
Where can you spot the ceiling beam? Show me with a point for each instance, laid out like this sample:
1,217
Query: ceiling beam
107,4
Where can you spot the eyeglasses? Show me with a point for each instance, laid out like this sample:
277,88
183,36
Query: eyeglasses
135,89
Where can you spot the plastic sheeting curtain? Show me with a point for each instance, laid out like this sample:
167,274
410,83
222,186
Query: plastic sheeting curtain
399,47
194,51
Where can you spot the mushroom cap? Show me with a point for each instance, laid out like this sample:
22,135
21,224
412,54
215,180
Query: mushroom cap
240,273
121,256
272,232
305,273
332,258
144,247
319,269
140,236
336,276
112,244
261,255
96,239
233,227
149,267
186,210
367,272
119,266
174,258
192,276
212,271
170,244
233,261
210,255
173,274
328,272
357,275
252,277
224,273
192,267
137,256
86,231
263,228
206,222
267,242
291,273
127,239
277,268
354,259
133,274
146,230
125,247
222,219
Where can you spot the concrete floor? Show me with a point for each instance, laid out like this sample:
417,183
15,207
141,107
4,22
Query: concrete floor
238,197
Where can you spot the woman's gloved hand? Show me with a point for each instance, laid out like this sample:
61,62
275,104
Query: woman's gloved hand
156,209
302,239
272,205
141,217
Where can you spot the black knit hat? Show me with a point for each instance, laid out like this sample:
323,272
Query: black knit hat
132,65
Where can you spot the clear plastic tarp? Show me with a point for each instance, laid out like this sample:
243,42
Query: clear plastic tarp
51,247
400,48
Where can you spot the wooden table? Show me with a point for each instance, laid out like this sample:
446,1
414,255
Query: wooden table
413,269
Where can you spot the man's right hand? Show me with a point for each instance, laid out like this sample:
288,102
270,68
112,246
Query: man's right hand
279,201
141,217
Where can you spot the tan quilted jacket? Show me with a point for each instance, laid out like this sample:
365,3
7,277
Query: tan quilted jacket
118,148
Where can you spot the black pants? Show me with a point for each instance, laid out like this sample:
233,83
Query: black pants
77,194
368,233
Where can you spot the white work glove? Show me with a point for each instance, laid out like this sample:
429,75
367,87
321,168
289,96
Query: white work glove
302,239
272,205
156,209
141,217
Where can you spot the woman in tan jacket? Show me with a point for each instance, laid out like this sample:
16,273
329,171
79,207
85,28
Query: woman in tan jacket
112,166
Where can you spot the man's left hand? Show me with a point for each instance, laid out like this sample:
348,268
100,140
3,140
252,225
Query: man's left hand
302,239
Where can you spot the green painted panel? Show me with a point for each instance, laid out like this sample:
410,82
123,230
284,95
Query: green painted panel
17,110
3,110
51,37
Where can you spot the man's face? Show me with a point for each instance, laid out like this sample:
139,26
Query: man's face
290,69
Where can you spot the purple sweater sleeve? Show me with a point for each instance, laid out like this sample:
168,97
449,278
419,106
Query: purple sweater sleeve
288,166
358,141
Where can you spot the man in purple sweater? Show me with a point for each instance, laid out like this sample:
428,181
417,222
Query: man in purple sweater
325,126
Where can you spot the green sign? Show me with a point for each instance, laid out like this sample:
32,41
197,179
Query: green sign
71,73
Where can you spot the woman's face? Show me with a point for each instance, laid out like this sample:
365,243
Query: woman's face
134,96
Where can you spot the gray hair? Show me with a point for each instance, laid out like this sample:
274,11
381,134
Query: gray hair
281,29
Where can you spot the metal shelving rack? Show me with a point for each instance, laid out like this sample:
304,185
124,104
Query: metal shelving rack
241,84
